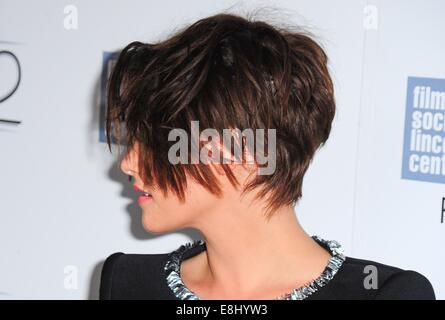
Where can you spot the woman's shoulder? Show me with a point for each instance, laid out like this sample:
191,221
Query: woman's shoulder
134,276
142,276
367,279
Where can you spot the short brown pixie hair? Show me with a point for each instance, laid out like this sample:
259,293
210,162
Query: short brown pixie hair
225,71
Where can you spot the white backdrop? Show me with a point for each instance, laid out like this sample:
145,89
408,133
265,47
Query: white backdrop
65,205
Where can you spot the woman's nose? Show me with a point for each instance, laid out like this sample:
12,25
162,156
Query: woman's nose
125,170
126,166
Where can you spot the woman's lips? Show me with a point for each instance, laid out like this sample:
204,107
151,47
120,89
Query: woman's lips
144,198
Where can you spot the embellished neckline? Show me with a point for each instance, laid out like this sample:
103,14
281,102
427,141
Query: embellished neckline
179,289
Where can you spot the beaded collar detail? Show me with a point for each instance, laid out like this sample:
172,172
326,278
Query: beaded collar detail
175,283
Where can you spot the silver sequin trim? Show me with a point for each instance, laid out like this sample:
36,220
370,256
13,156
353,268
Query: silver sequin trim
174,281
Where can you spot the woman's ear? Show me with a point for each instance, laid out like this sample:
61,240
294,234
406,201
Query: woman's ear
235,155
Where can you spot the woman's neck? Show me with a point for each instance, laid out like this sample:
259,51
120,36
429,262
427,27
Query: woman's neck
249,257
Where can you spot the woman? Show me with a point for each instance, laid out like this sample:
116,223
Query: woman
230,75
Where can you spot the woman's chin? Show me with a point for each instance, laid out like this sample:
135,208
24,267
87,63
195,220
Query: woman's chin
152,226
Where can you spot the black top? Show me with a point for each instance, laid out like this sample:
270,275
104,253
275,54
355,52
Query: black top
142,276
